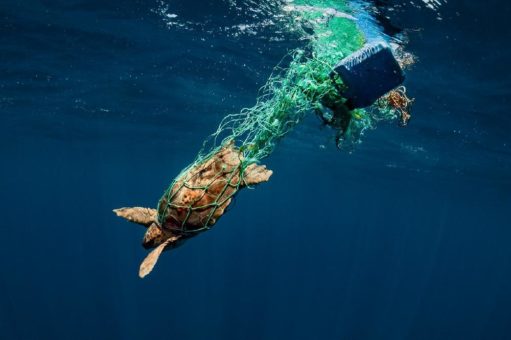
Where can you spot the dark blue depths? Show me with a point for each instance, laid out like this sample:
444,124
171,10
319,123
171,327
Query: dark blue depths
102,105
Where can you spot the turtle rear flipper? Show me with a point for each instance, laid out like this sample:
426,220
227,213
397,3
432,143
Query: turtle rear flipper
150,261
139,215
255,174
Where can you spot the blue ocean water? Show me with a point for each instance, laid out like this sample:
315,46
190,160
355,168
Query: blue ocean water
104,102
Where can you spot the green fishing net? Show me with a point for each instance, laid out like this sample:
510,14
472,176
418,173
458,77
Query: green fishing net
304,85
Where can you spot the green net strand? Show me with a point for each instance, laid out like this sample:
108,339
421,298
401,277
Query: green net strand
303,86
292,91
190,209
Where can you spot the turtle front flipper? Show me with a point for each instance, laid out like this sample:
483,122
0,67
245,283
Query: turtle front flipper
150,261
139,215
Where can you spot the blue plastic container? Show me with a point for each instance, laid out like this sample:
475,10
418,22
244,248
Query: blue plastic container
368,74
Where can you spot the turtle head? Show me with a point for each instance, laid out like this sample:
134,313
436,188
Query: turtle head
154,236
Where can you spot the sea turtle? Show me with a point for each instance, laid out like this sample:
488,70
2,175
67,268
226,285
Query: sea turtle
195,201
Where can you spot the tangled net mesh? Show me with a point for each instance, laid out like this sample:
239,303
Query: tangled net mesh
202,192
303,86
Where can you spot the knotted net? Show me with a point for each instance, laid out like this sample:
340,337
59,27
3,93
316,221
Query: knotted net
229,159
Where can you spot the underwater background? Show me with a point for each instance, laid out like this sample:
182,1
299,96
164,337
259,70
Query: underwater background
104,102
